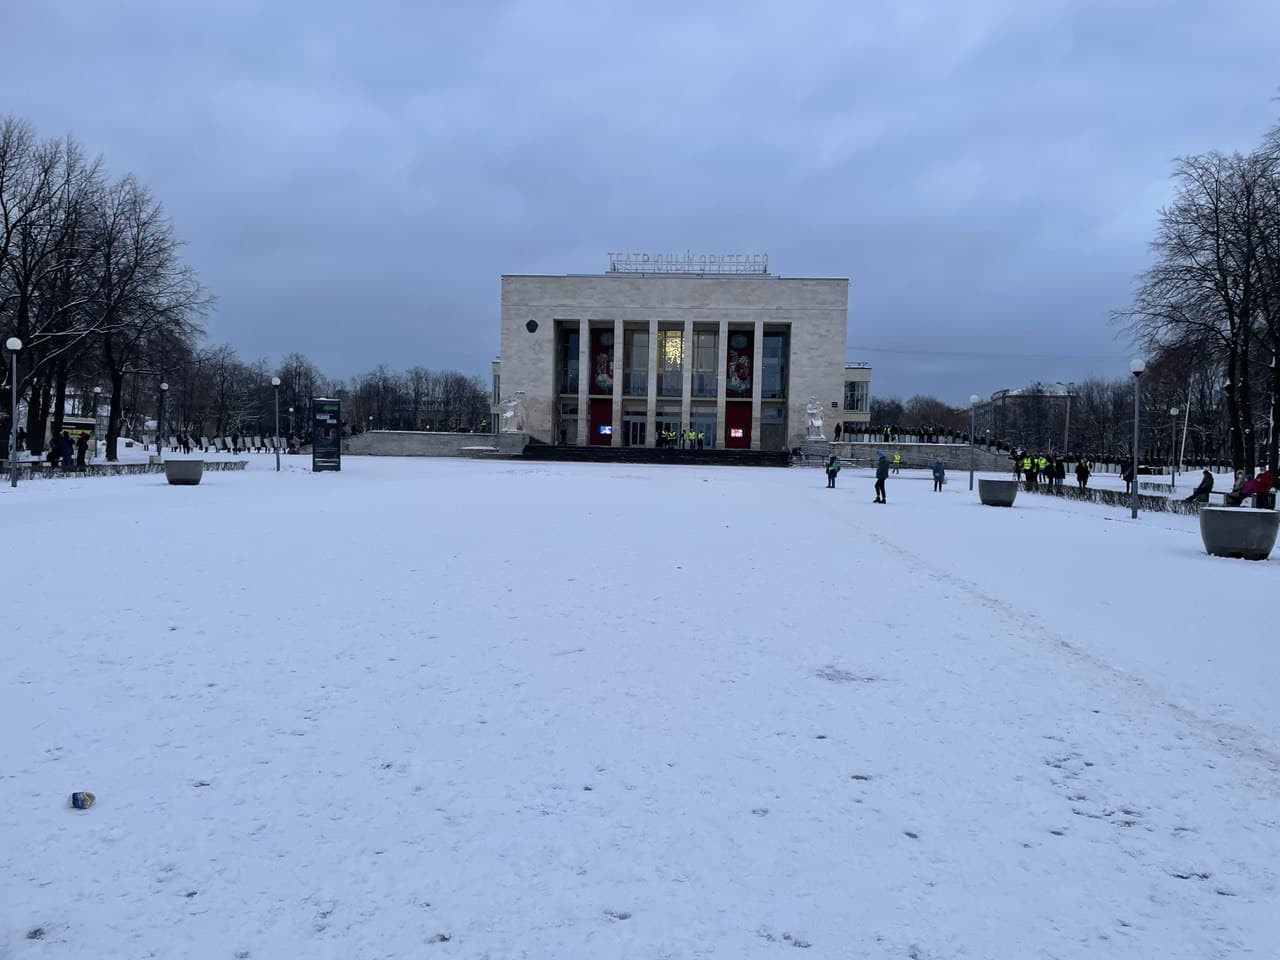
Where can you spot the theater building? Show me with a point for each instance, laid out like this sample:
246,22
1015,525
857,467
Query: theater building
658,347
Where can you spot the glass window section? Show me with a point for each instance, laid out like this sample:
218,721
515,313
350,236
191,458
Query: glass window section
636,363
855,396
568,360
705,362
670,362
773,370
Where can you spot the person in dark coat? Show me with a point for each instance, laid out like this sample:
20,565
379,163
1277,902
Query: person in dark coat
1082,474
882,474
1201,493
833,467
837,433
66,449
82,448
1127,476
1059,472
939,475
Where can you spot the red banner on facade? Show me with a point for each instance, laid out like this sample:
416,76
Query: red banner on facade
737,374
602,361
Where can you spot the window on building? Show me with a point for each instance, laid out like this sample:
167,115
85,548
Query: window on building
635,358
773,370
705,361
497,394
670,361
856,396
568,362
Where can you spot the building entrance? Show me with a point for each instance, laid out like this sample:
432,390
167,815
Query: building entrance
633,429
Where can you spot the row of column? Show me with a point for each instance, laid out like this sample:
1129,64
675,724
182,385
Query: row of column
651,395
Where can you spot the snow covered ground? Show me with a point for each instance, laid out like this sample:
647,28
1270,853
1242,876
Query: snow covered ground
593,711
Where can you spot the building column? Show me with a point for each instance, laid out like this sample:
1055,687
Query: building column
757,371
651,389
686,378
722,348
584,382
618,372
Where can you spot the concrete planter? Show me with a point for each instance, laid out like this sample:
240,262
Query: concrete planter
997,493
183,472
1239,532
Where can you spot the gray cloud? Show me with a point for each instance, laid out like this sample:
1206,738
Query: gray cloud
354,178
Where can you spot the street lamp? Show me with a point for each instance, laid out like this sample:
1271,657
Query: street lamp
275,385
1173,448
164,390
974,400
14,345
1137,367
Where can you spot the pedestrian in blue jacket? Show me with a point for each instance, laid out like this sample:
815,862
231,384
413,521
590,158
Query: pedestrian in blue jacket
939,475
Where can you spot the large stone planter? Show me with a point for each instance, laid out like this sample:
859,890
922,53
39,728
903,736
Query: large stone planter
997,493
184,472
1239,531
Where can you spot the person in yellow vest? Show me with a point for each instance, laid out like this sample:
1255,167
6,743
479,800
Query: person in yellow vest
897,462
700,438
1029,471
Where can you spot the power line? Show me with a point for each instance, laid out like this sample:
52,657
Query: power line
985,354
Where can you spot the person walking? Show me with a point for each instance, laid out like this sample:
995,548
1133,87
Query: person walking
897,462
1127,476
82,448
66,449
882,474
939,475
833,467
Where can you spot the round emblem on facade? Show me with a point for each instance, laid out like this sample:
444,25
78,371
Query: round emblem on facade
532,326
737,340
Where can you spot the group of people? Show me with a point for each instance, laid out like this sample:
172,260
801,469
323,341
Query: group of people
882,474
1245,486
1051,471
688,439
63,448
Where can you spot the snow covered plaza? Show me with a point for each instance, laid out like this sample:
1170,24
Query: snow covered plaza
492,709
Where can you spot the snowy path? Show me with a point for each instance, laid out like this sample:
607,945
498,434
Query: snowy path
592,711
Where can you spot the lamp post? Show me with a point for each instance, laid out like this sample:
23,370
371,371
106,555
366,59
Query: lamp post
14,345
973,408
1137,367
1173,449
97,405
275,385
164,390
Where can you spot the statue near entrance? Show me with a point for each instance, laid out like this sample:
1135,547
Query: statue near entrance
511,414
813,414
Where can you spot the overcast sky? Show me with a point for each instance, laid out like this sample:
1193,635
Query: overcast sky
353,178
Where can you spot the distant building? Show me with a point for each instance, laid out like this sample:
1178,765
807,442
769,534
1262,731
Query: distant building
658,348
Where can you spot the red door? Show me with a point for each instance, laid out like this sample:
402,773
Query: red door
601,422
737,425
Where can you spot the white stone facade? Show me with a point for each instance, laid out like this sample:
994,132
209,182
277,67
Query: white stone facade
802,320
